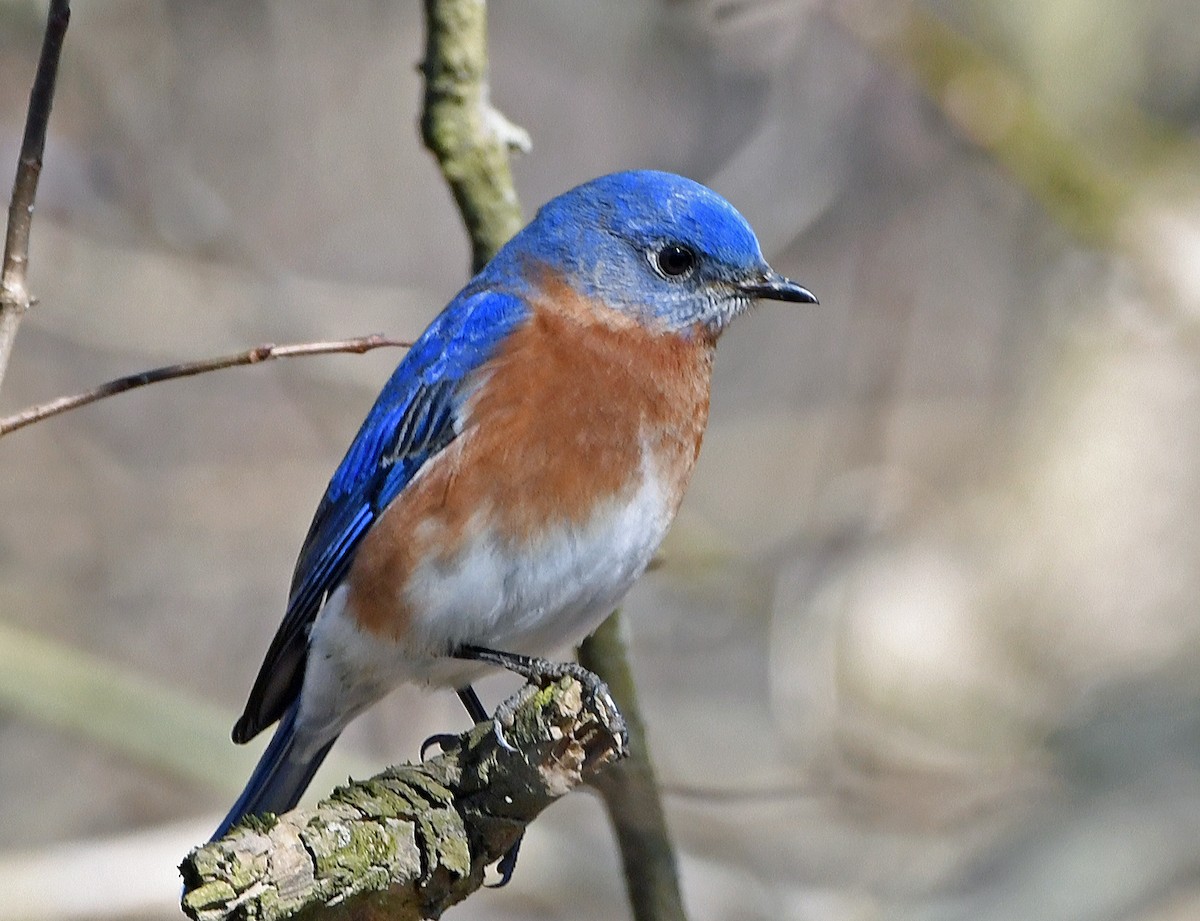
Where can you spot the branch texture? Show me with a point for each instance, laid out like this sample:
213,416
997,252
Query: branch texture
14,295
414,840
252,356
470,139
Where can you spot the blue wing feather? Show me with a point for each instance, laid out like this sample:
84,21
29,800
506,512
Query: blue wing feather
414,417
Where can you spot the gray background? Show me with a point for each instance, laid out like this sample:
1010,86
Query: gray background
926,642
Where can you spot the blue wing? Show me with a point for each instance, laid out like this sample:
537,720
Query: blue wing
413,419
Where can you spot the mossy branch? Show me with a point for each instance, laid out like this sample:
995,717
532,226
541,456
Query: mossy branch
414,840
470,138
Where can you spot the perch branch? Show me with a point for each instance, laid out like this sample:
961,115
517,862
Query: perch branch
414,840
252,356
14,295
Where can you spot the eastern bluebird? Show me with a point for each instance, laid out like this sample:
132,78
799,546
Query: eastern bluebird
518,470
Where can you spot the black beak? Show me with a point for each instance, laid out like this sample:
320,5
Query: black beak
775,287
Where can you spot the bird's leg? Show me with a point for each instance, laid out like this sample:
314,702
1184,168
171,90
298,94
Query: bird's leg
470,700
474,707
542,671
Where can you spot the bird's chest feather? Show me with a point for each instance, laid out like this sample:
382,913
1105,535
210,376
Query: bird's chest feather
579,440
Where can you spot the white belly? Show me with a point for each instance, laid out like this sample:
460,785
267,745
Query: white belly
533,597
529,597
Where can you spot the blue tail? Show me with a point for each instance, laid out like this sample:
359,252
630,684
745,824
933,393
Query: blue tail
278,781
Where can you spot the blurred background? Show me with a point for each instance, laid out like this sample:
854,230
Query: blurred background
926,643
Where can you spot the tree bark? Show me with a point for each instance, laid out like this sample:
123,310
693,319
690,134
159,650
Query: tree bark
414,840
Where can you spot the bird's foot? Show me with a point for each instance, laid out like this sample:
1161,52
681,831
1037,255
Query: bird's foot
507,864
543,672
443,740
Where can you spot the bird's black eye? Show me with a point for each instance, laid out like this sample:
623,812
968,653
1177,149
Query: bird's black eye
675,260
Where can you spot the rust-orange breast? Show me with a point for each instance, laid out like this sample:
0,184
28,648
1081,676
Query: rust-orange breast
563,419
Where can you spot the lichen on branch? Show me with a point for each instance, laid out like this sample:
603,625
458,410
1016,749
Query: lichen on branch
470,139
416,839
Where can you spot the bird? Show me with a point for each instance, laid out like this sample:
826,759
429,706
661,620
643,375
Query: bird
518,470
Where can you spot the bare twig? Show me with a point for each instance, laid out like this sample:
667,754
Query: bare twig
14,295
252,356
413,840
630,792
470,138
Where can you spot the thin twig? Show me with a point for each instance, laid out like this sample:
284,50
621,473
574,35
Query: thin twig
14,295
252,356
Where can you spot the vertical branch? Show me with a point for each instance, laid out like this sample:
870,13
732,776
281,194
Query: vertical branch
630,791
14,295
470,139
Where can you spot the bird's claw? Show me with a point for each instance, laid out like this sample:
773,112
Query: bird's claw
541,673
442,740
596,696
507,864
498,727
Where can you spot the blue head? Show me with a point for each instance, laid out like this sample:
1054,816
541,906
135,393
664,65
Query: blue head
657,246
